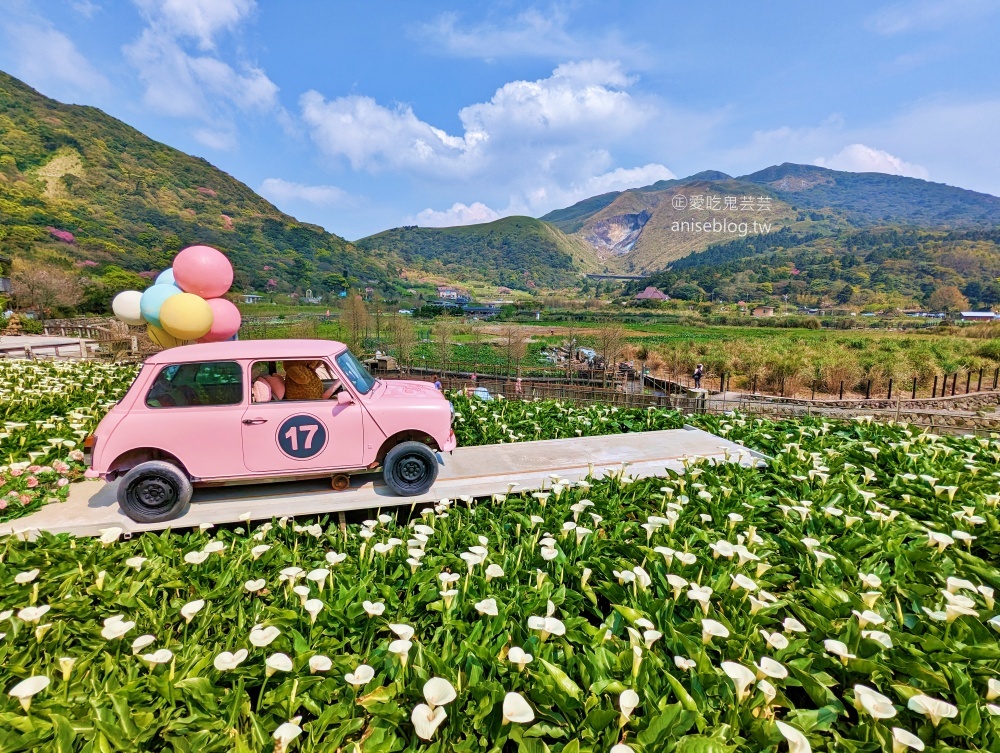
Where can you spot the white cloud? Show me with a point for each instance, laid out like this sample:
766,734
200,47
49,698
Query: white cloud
554,122
199,86
48,60
623,178
458,214
928,14
858,158
85,8
197,19
282,191
531,34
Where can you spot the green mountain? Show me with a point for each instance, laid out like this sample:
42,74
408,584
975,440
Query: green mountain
879,268
518,252
78,187
645,229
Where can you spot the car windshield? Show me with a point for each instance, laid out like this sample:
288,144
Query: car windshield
355,371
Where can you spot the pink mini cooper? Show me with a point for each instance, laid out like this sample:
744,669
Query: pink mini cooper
265,410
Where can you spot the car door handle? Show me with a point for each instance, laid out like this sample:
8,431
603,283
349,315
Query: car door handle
252,421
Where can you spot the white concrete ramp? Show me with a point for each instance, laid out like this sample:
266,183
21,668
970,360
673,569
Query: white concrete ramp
474,471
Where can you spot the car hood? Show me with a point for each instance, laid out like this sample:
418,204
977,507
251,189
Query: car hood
407,389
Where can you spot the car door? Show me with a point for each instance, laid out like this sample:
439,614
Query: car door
289,437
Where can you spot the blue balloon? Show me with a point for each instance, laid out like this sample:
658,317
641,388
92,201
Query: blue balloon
166,277
153,298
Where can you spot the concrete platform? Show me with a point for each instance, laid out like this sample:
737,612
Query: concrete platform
475,471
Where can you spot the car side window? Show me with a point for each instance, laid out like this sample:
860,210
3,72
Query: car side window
189,384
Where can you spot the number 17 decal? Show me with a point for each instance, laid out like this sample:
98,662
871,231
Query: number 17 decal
302,436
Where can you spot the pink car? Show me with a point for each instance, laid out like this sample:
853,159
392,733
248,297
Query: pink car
265,410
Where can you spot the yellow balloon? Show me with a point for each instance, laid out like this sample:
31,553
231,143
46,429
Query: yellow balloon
188,316
161,338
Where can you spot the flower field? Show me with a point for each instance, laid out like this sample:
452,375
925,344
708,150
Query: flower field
840,599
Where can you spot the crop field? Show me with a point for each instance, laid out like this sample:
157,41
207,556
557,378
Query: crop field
842,598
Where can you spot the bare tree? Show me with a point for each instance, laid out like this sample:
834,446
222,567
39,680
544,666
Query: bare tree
41,288
403,336
443,334
512,344
354,319
610,342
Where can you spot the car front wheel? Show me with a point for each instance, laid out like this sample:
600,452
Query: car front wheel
410,468
154,491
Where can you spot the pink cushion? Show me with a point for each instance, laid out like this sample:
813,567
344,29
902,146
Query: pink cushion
261,391
277,386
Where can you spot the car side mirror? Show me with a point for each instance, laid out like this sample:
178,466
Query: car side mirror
344,398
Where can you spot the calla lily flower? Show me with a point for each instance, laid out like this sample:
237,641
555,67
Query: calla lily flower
66,666
27,576
263,636
426,720
684,664
285,733
335,558
712,629
141,642
361,676
797,742
403,632
373,608
768,667
277,663
33,614
115,627
903,740
135,562
768,691
546,626
488,607
25,690
868,618
873,703
319,663
196,558
518,656
621,748
227,661
401,649
517,710
933,708
439,692
878,636
838,649
313,607
160,656
742,678
627,702
775,640
189,610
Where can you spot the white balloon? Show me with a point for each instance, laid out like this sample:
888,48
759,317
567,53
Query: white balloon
126,307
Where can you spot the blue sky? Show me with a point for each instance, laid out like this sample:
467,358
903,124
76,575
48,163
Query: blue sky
365,116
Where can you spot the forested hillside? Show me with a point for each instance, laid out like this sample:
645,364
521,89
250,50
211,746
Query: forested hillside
81,189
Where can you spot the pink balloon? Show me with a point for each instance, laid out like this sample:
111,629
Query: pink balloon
226,321
203,271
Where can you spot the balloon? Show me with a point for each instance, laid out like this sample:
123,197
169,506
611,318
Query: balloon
203,271
152,300
166,277
126,307
226,321
186,316
161,338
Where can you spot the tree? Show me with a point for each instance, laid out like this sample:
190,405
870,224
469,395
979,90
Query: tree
610,341
41,288
404,338
354,320
442,334
948,298
512,345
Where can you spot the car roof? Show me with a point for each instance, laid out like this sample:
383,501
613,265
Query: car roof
269,350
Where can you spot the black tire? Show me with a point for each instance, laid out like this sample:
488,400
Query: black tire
410,468
154,491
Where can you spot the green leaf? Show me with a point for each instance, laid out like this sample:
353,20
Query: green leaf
701,744
563,680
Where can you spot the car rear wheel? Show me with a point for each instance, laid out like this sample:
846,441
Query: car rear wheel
410,468
154,491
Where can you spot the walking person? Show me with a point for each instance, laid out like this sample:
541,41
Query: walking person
437,383
518,388
699,372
